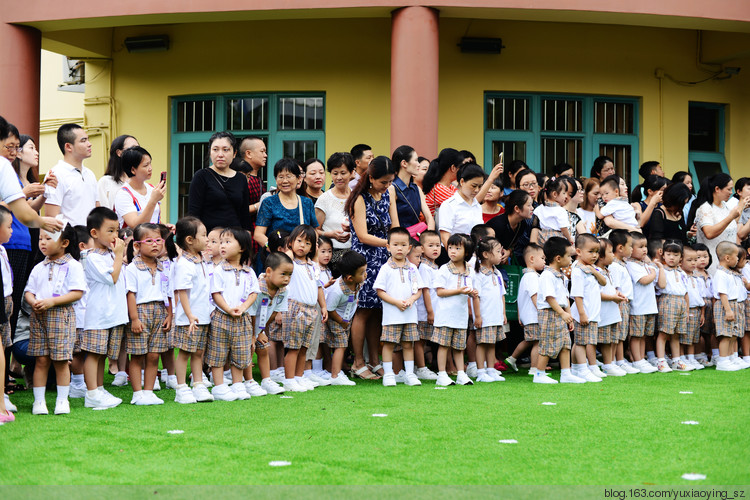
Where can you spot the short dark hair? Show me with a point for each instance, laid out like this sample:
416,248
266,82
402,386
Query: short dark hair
427,233
555,247
700,247
672,246
647,168
603,244
97,216
358,151
82,233
277,259
337,160
613,181
224,135
309,233
479,232
131,158
653,246
398,230
5,213
583,238
619,237
66,135
3,127
287,165
464,240
12,132
637,236
186,227
245,144
531,247
324,240
69,233
244,240
349,263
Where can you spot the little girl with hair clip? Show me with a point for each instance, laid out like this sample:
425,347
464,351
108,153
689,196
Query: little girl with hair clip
552,215
489,307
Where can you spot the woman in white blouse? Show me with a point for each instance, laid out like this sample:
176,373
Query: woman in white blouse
461,212
329,209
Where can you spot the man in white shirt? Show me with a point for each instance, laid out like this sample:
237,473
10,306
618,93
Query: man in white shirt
75,195
362,154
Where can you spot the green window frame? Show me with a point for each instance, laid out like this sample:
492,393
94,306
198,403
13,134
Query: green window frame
705,163
283,120
563,127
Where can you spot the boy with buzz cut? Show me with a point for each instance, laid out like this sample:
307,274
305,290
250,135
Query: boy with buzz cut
643,307
399,285
555,320
528,316
106,307
726,294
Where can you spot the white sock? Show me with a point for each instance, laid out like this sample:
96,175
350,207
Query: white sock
288,380
663,360
137,392
471,363
733,356
481,371
261,380
124,374
39,393
92,394
691,357
683,358
171,378
579,366
317,365
533,370
650,355
591,367
222,387
298,379
620,362
443,373
388,367
76,380
511,358
746,359
307,373
564,372
715,353
409,366
461,371
722,359
62,392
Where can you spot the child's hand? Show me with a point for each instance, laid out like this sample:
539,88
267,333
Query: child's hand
167,325
330,282
504,256
324,315
729,316
430,317
477,322
403,305
703,318
136,326
236,312
193,323
505,319
621,297
584,319
278,319
263,338
474,293
567,318
119,247
43,305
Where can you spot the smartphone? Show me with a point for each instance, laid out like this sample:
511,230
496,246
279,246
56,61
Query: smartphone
501,156
164,176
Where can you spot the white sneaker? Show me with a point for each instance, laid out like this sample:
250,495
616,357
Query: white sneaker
99,400
164,375
342,379
206,381
39,408
663,367
76,391
588,376
653,362
444,380
114,400
599,373
239,389
278,375
726,366
614,371
184,395
425,373
628,368
223,393
645,367
172,382
121,379
741,363
401,377
412,379
532,371
306,383
200,391
471,371
292,386
389,380
681,366
496,375
324,374
137,398
543,378
313,377
267,385
485,377
571,379
463,379
151,399
62,407
695,364
512,364
10,406
157,385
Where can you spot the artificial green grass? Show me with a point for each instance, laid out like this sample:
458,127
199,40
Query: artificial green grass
623,431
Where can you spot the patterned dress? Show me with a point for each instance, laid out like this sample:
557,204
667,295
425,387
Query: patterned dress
378,223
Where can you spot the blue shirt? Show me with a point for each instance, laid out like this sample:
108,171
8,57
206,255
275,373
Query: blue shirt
274,216
408,202
20,239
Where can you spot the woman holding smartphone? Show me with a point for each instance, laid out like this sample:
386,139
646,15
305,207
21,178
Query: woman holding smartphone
137,201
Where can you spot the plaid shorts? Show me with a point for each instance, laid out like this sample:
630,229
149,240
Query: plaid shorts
52,333
708,324
621,328
425,330
747,315
191,343
490,334
446,336
317,338
586,335
153,338
336,336
693,330
5,328
103,341
673,314
77,342
642,325
230,338
739,313
553,333
545,234
298,324
274,330
607,334
395,334
532,332
725,328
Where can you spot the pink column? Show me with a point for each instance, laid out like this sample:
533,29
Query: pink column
20,67
414,79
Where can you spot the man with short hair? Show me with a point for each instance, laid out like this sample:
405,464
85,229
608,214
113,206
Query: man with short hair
75,195
253,152
362,154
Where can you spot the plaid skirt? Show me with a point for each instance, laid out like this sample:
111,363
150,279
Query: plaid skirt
103,341
336,336
7,340
693,330
490,334
708,324
673,314
153,338
725,328
395,334
298,324
231,338
586,334
621,328
532,332
608,334
52,333
425,330
445,336
642,325
184,341
553,333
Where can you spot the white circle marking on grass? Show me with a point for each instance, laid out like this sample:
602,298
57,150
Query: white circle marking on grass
547,403
693,476
279,463
685,374
379,414
440,388
691,422
175,431
508,441
686,392
286,397
99,408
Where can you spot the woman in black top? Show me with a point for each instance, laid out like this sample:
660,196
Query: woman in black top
219,196
512,228
667,221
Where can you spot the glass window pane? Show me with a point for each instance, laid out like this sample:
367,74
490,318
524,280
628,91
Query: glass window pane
621,157
613,118
301,113
512,150
556,151
192,157
300,150
196,116
507,113
247,114
703,128
560,115
707,168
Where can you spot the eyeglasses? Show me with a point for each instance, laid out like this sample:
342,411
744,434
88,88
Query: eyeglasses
13,148
529,185
152,241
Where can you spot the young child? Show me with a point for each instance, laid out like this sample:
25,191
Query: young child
430,243
706,286
6,283
77,383
745,278
453,286
271,300
673,309
307,307
696,315
106,305
193,311
53,286
740,307
168,257
553,217
609,317
234,288
212,254
489,307
341,301
617,212
585,289
528,316
643,307
150,311
399,285
555,320
726,294
318,351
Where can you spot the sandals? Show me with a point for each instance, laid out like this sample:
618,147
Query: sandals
375,369
7,417
359,374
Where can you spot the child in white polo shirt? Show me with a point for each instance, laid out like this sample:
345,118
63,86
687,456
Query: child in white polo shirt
740,307
399,285
617,212
673,309
430,241
643,307
696,315
489,307
609,318
726,294
528,315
